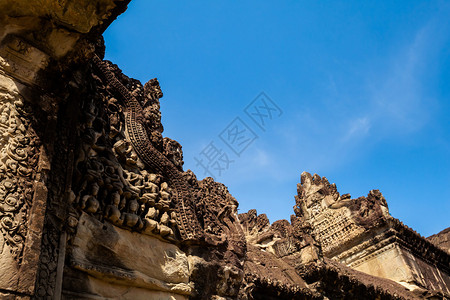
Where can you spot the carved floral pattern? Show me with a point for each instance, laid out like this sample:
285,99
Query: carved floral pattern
16,164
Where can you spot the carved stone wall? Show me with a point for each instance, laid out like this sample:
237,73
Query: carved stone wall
399,264
20,189
39,41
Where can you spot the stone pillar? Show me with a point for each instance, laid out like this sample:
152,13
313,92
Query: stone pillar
39,42
24,165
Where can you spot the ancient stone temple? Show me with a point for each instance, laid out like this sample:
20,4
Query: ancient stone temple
95,203
361,234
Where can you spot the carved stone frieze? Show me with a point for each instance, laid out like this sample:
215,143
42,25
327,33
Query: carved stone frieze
336,219
112,182
138,128
221,260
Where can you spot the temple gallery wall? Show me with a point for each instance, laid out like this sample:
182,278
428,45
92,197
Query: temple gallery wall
95,203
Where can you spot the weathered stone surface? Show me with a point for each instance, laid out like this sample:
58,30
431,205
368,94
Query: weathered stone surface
351,284
60,23
21,190
79,16
441,239
116,256
7,296
112,290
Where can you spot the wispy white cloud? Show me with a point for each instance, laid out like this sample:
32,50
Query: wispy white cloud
261,158
357,128
395,102
398,99
392,101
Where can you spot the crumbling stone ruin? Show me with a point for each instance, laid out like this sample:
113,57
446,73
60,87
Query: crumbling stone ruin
95,203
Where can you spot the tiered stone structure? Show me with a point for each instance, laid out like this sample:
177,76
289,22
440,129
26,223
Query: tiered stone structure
361,234
95,204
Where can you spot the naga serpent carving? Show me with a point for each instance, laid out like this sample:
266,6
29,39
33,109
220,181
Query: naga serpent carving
187,223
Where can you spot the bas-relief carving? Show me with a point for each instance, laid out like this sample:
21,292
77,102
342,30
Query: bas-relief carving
113,184
16,165
18,158
116,181
111,181
280,238
337,219
331,228
142,136
319,203
223,255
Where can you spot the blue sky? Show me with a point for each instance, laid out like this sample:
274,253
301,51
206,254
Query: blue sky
363,88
